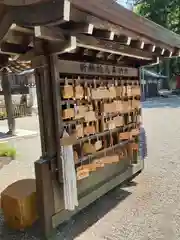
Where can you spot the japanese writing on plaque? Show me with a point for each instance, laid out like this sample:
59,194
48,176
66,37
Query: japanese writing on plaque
85,68
102,69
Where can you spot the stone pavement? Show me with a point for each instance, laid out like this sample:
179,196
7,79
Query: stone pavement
147,209
28,151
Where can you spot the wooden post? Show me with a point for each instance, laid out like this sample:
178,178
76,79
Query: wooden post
6,86
45,167
45,196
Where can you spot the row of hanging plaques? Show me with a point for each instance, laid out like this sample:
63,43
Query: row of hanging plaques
94,92
95,109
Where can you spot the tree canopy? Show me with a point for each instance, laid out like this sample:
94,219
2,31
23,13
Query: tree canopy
163,12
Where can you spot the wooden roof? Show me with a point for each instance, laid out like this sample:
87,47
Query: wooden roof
95,28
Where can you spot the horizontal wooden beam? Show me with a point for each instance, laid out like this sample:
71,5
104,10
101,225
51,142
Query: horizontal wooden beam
88,52
17,28
99,33
78,28
50,34
138,44
123,39
16,37
64,47
10,48
115,48
48,13
100,54
150,47
74,67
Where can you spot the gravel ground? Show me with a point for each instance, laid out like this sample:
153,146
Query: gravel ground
148,209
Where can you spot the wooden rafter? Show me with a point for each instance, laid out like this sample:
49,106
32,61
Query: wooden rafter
115,48
50,34
113,12
125,34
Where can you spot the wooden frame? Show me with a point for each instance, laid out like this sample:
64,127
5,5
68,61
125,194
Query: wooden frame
73,67
111,40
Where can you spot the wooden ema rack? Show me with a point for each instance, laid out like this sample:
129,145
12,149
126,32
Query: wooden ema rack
99,107
101,114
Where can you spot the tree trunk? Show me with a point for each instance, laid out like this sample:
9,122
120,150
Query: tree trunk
6,86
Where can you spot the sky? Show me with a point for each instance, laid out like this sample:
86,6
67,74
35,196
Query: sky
124,3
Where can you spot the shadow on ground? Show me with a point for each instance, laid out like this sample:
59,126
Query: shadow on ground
78,224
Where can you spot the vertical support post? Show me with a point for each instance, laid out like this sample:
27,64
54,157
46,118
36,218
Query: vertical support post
6,86
44,168
45,197
57,111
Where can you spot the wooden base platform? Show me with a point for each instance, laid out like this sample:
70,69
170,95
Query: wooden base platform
86,200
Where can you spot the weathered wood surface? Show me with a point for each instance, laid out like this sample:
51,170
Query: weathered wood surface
20,2
45,195
117,14
104,20
72,67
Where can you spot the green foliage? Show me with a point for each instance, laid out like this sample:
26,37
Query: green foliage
7,151
3,114
163,12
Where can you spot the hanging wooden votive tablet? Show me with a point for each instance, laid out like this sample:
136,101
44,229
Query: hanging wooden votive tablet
126,106
124,91
118,106
90,167
136,104
136,90
100,93
125,136
119,121
129,90
109,107
79,131
110,159
119,91
111,124
89,129
88,148
98,145
79,92
82,173
90,116
67,91
112,92
98,163
80,111
68,140
135,132
68,113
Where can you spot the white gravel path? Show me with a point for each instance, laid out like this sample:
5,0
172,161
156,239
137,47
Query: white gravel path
149,209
